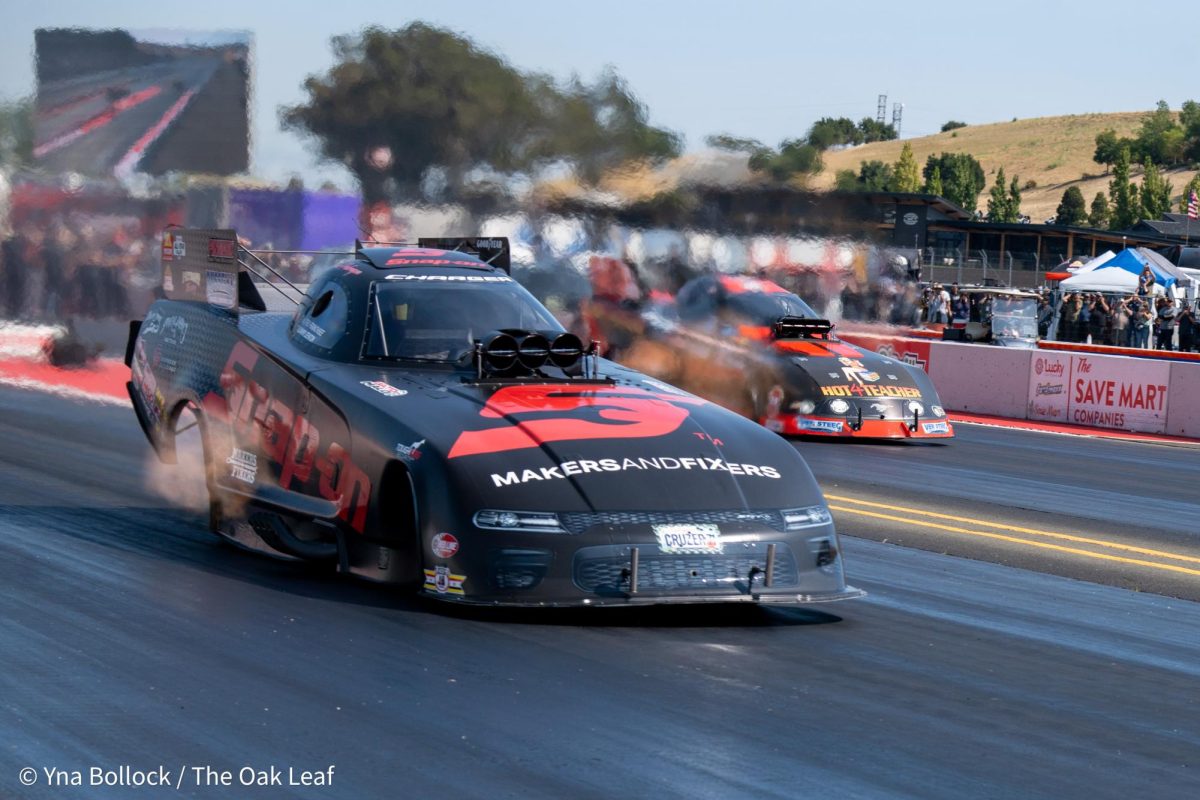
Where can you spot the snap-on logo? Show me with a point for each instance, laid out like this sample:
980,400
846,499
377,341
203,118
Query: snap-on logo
532,415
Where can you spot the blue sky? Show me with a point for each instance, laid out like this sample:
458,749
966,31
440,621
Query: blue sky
760,69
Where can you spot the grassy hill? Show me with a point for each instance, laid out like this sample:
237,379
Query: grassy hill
1055,152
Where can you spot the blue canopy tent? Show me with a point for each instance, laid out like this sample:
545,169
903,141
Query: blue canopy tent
1132,259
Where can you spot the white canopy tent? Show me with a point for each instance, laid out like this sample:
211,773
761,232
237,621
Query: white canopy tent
1093,263
1111,280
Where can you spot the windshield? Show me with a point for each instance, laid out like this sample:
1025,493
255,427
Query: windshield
1014,317
441,321
766,309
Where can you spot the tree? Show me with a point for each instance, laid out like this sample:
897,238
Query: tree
795,157
829,132
1155,194
734,144
1189,120
1108,147
16,133
953,124
962,177
873,176
1122,195
1099,216
933,185
1071,209
875,131
1193,186
398,103
1014,199
905,177
846,181
999,207
1159,138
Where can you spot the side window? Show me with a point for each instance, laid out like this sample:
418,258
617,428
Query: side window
322,324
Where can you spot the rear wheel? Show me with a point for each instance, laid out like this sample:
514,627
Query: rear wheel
195,472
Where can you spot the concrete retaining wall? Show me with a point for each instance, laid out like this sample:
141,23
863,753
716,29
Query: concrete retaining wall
995,382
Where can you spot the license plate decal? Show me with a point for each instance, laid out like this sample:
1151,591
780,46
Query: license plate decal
686,538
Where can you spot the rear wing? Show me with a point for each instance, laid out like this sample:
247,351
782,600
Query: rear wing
211,266
801,328
492,250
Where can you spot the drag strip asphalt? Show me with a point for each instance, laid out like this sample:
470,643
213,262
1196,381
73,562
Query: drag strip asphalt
131,636
1124,513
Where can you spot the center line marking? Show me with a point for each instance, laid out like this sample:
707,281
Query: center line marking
1018,540
1066,537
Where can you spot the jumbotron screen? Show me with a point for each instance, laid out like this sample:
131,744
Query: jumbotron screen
116,102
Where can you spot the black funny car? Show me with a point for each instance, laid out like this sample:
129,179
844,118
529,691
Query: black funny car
418,418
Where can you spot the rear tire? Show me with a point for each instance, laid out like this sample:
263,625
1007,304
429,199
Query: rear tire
195,466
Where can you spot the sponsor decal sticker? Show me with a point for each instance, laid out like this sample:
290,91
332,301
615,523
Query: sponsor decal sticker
407,260
175,330
243,465
310,330
146,383
410,452
527,416
444,545
191,282
168,246
452,278
1049,388
705,437
384,388
820,425
689,539
935,427
443,581
855,371
305,446
859,390
152,323
168,281
220,288
222,250
567,469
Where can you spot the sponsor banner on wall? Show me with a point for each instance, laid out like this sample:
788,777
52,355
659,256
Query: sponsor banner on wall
1128,394
901,348
1049,375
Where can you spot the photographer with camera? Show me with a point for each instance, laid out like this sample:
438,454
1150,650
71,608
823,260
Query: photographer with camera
1187,328
1164,324
1140,317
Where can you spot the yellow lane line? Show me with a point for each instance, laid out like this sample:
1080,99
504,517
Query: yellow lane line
1018,540
1066,537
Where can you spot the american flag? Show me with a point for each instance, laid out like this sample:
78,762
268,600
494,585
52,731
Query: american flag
1193,205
